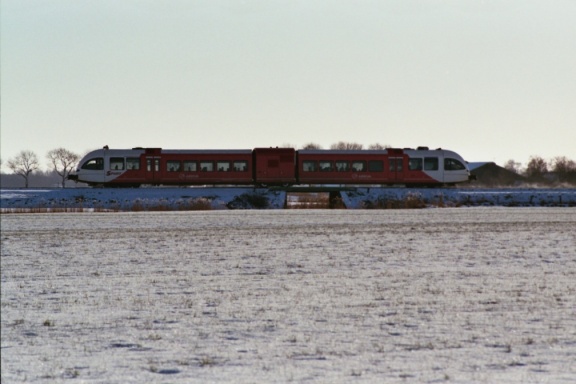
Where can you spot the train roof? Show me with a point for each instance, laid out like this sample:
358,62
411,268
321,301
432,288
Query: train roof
206,151
372,151
159,151
152,151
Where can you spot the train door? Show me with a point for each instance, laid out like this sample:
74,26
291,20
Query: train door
152,169
274,166
396,168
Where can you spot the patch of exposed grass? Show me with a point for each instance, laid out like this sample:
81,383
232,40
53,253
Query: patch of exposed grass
249,201
48,323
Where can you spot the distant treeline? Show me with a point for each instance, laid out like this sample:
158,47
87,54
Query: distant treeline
559,170
38,179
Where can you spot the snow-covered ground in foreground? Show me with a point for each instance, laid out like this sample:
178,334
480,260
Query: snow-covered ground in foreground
127,198
234,198
483,295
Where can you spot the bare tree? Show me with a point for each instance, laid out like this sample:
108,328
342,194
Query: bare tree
378,146
312,146
346,146
24,164
513,166
536,167
563,167
63,162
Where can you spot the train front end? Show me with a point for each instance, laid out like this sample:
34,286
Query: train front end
102,167
456,169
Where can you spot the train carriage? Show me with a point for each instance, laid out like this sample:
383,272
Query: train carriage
154,166
390,166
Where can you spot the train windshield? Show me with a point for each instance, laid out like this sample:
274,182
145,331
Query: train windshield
94,164
453,165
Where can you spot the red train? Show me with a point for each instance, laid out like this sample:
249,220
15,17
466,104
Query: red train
270,166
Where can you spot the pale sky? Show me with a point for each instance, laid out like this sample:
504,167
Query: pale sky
492,80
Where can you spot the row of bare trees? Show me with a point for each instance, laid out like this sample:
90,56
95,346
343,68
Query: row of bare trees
342,145
537,168
62,161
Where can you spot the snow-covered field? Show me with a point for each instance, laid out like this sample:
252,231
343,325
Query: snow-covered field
126,199
483,295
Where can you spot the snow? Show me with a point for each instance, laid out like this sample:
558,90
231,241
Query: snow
437,295
126,198
234,198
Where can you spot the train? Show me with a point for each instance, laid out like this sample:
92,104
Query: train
263,167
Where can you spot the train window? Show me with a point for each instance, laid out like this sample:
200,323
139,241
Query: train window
190,166
375,166
240,166
358,166
116,163
132,163
415,164
342,166
309,166
430,163
173,166
223,166
96,164
325,166
207,166
152,162
453,165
